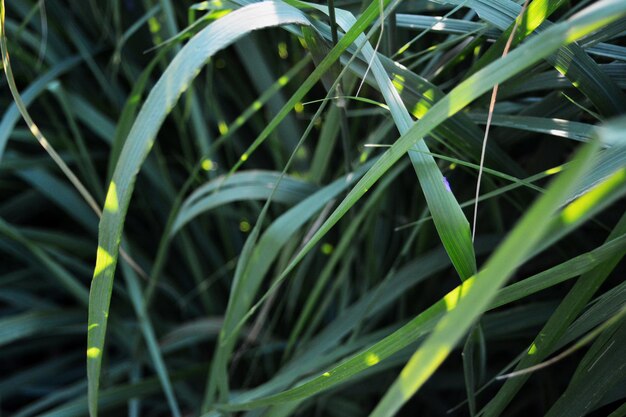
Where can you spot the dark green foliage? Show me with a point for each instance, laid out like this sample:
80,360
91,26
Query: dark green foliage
287,190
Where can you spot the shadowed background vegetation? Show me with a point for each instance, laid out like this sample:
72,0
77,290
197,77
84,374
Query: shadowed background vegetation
247,208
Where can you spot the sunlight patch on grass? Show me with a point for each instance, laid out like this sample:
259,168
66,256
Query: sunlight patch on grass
411,380
372,359
554,170
222,127
422,106
93,353
208,165
103,261
586,202
452,298
398,82
111,204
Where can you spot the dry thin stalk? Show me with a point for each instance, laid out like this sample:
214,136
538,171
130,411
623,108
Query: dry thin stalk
492,105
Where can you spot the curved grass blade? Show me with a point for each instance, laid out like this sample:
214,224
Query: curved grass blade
250,185
174,81
450,222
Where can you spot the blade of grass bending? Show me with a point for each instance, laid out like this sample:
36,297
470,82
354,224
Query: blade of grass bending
449,219
450,222
129,111
175,80
481,82
198,124
289,191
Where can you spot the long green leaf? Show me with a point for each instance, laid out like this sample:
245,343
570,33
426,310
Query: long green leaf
174,81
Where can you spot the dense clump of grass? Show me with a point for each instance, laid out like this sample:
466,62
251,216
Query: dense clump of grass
261,208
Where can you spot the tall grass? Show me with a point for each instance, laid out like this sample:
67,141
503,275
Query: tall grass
261,208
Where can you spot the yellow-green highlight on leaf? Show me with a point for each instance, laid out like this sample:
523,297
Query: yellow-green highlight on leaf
372,359
536,14
586,202
93,353
533,349
154,25
111,203
554,170
222,127
398,82
208,165
415,373
403,49
578,32
103,261
423,105
452,298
